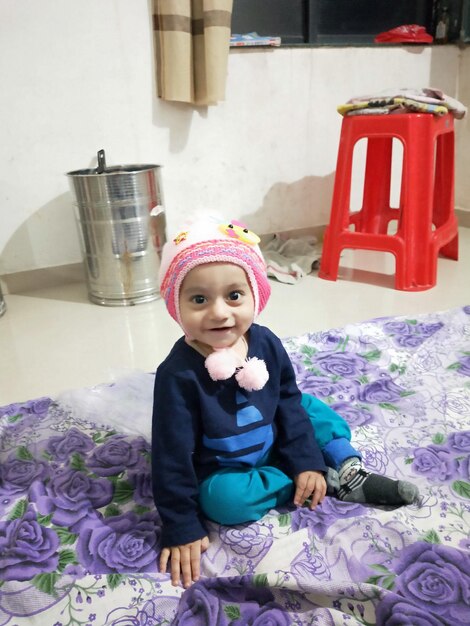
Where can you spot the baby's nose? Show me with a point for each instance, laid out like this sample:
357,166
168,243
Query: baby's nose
219,309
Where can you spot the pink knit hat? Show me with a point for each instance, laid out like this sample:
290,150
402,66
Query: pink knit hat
210,241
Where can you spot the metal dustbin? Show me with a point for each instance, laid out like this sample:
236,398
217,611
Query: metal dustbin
122,223
3,306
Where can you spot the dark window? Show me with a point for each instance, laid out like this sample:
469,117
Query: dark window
465,32
340,21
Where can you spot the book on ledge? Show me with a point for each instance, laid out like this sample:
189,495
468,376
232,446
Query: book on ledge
253,39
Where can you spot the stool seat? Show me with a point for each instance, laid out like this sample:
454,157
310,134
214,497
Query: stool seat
426,221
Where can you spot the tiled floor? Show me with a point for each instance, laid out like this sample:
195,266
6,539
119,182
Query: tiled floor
54,339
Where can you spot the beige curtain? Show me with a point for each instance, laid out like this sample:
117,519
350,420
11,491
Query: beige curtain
192,40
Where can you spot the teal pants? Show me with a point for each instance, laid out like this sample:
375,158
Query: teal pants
237,495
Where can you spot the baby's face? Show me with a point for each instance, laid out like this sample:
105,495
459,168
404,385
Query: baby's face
216,304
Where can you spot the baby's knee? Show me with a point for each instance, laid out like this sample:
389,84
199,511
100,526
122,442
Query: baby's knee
221,500
236,497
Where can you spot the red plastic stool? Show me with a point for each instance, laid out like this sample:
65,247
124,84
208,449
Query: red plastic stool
426,221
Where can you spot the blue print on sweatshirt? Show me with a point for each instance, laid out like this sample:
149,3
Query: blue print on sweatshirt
249,414
251,458
240,442
243,443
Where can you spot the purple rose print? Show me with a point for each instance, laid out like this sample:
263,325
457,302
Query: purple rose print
236,589
382,390
39,406
26,548
435,578
270,614
342,364
75,571
394,610
459,441
250,541
72,497
435,462
141,483
355,416
148,615
463,467
116,455
465,544
319,386
466,309
63,446
224,602
125,543
408,335
17,475
328,339
371,550
200,606
397,328
374,459
307,567
11,409
154,612
409,341
464,365
324,516
323,387
427,330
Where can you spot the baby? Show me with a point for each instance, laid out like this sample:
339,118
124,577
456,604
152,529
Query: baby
232,435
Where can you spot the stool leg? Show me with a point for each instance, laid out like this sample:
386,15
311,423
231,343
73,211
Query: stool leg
451,249
375,213
443,205
416,268
340,208
329,264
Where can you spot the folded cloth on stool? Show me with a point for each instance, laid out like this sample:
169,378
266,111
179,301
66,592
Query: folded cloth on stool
407,100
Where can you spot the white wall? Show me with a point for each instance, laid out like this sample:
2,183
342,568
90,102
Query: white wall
79,76
462,169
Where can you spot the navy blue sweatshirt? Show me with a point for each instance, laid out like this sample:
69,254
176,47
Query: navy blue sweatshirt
200,425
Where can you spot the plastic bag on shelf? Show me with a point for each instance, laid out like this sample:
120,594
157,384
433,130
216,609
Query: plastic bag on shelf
408,33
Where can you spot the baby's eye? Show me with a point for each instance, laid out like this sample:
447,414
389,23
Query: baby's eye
198,299
235,295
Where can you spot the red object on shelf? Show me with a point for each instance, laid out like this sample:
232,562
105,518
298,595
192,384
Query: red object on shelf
426,221
408,33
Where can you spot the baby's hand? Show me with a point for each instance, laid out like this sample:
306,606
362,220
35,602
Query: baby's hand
309,484
185,561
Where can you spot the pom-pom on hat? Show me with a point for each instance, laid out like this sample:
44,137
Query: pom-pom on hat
210,240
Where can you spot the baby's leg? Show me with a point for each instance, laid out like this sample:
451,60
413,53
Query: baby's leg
356,484
236,496
359,485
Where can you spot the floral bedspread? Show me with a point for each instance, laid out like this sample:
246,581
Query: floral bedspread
79,535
